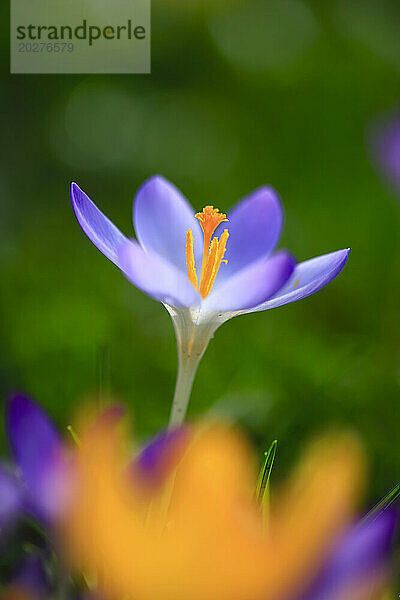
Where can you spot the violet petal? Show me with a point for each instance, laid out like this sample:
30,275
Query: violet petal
162,217
363,550
37,451
254,226
99,229
307,278
252,285
151,456
156,277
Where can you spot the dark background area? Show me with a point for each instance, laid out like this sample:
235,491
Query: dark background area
241,94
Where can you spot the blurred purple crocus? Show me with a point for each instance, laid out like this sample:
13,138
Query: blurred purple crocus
385,143
31,578
39,579
206,267
10,497
360,558
38,485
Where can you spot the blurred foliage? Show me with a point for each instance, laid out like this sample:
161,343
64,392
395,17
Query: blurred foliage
276,92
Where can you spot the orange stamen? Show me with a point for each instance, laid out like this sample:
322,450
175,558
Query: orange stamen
214,261
213,251
208,267
190,260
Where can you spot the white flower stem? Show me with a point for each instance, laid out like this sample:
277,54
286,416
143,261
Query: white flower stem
187,367
193,332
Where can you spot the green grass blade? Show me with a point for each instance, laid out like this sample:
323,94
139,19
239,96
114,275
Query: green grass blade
383,504
262,492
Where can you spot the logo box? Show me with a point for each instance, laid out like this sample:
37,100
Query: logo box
80,36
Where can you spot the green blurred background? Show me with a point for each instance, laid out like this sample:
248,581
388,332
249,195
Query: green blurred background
241,94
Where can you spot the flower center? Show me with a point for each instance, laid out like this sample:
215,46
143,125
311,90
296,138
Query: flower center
213,252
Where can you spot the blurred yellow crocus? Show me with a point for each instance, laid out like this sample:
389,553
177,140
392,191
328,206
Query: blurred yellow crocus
196,532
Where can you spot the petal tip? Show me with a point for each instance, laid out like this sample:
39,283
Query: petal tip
269,194
16,403
78,197
154,180
345,255
265,195
98,228
267,190
74,187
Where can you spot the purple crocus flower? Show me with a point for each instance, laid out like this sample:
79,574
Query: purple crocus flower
160,262
205,267
151,457
39,484
385,142
160,456
359,558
